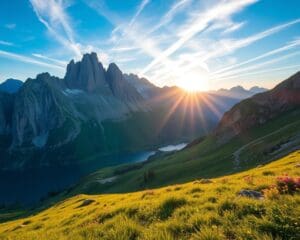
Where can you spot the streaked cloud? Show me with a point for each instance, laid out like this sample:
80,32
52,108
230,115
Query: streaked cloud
52,14
10,26
26,59
199,23
5,43
59,62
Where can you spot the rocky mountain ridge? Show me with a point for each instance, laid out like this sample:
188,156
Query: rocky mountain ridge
260,108
96,111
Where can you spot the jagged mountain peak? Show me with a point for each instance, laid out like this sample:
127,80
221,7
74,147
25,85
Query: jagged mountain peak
87,74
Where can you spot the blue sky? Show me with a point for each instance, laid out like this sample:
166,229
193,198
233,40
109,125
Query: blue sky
196,44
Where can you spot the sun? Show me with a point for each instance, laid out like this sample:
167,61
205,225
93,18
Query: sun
194,83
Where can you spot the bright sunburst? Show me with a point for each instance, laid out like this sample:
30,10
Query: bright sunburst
194,83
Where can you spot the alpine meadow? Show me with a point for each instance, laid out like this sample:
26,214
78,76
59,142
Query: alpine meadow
149,120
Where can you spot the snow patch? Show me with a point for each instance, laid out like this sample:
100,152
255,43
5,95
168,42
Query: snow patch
72,92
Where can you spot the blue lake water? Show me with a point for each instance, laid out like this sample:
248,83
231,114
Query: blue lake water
31,185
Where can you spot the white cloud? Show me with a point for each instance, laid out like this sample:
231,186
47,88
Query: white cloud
52,14
41,56
26,59
286,47
10,26
237,72
201,21
234,27
175,9
5,43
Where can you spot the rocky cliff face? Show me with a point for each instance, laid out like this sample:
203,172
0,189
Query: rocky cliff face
88,74
6,108
39,107
48,112
94,111
120,88
143,86
260,108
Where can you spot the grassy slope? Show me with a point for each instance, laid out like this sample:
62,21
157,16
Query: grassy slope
206,159
189,211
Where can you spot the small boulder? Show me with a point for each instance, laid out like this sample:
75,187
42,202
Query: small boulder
205,180
86,202
250,194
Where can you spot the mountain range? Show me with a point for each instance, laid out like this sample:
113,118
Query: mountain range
101,110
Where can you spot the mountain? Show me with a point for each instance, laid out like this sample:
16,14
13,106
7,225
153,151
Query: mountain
257,89
142,85
53,131
239,92
260,108
216,154
51,115
6,102
11,85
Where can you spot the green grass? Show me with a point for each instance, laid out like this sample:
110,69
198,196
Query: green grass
205,160
198,210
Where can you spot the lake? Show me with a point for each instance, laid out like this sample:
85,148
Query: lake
31,185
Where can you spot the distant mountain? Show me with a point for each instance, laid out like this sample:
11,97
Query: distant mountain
142,85
102,110
69,127
11,85
260,108
257,89
239,92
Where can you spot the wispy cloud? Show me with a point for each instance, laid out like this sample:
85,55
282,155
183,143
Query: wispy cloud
10,26
256,66
5,43
198,24
268,70
234,27
225,47
168,17
52,14
286,47
26,59
141,7
41,56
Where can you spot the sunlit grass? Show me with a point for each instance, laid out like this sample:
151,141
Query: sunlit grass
196,210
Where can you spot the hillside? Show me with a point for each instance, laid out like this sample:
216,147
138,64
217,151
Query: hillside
206,159
202,209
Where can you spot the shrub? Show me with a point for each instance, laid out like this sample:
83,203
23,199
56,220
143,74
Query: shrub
27,222
212,199
196,190
288,184
149,175
268,173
